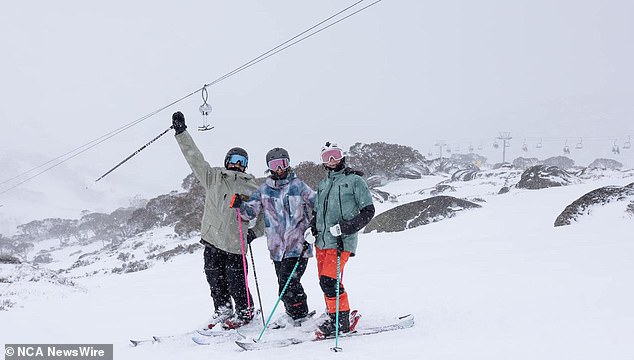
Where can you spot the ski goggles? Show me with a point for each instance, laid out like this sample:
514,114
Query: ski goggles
235,158
331,154
279,164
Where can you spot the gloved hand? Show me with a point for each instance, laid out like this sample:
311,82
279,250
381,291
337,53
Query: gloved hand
335,230
250,236
237,200
308,236
178,122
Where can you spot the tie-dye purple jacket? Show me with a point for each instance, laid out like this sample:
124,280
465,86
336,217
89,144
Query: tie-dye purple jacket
287,206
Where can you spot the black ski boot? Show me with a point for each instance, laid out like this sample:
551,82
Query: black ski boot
328,328
239,319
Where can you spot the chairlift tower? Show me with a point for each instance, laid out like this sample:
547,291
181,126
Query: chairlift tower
440,145
504,137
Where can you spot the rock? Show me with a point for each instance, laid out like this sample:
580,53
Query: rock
417,213
542,176
594,198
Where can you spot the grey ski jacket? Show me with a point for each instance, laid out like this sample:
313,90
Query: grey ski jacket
219,224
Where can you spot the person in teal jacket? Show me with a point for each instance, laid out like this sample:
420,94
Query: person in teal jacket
342,208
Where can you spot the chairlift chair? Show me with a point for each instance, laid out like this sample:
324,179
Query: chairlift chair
566,148
205,109
615,148
579,145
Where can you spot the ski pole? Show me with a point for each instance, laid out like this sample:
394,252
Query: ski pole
257,286
244,260
134,153
336,348
301,255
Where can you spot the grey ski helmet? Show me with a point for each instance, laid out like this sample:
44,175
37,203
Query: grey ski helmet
237,151
277,153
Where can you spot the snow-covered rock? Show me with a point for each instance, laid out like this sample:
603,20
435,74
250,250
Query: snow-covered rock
621,196
417,213
542,176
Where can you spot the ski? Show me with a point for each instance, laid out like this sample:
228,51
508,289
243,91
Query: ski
403,322
214,333
305,320
139,342
219,336
202,331
208,337
158,339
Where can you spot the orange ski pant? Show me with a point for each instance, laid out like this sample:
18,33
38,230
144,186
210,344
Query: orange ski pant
327,272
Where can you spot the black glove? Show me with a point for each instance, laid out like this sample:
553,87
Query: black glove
339,244
178,122
237,200
250,236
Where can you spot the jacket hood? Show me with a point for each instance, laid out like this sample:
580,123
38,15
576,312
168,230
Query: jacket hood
276,184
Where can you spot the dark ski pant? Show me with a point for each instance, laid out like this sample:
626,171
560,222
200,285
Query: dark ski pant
294,298
225,275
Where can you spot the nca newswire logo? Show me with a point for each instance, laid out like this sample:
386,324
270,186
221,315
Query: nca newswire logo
58,351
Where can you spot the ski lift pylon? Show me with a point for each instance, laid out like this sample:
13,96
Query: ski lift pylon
627,144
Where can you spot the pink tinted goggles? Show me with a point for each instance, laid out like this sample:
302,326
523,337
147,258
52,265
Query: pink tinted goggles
279,164
334,154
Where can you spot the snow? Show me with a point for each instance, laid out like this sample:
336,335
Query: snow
499,282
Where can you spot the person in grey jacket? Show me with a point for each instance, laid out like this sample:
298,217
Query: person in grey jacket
219,230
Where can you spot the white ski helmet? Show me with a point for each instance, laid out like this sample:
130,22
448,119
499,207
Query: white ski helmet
331,151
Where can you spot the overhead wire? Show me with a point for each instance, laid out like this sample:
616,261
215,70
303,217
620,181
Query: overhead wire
91,144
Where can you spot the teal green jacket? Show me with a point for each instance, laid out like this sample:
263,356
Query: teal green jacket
340,197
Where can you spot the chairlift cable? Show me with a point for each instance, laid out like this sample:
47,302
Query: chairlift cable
264,55
89,145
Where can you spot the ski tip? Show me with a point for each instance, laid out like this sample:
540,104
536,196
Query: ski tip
134,342
246,344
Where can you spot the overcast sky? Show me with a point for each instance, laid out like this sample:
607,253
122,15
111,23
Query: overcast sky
409,72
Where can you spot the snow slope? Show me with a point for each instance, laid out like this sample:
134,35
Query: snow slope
500,282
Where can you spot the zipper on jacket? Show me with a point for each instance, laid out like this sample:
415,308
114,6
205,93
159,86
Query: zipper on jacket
332,182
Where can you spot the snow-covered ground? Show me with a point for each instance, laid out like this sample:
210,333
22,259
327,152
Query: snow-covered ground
499,282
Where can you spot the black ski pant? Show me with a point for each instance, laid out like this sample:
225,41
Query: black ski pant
225,275
295,297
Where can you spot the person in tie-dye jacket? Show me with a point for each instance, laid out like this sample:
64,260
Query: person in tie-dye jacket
287,203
